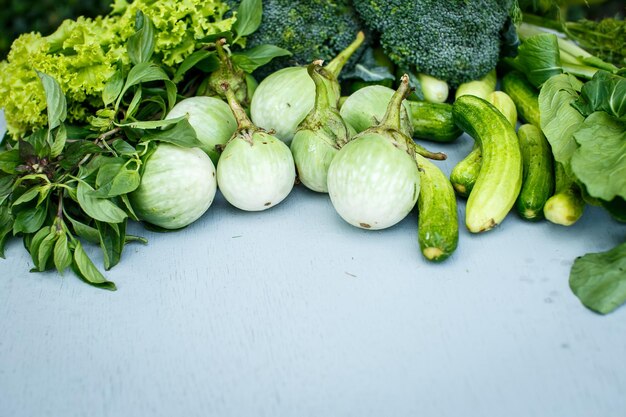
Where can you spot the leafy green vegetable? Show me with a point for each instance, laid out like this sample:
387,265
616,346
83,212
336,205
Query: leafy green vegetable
539,58
605,92
599,279
600,161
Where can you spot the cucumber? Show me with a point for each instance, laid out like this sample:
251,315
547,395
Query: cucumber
438,226
524,95
433,121
500,178
465,173
566,206
538,176
479,88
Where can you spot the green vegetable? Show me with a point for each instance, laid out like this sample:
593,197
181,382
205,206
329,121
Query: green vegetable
283,99
479,88
432,121
256,169
524,95
438,226
454,41
433,89
538,177
373,181
599,279
320,136
84,54
309,29
566,206
177,187
211,119
503,102
367,107
500,178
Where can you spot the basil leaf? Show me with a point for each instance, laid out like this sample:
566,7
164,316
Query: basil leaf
152,124
112,240
126,181
6,188
85,269
39,143
90,234
76,151
189,63
62,256
249,16
134,104
142,73
123,148
34,243
251,59
141,43
181,134
113,88
129,207
55,100
29,220
172,92
97,208
6,225
45,251
29,195
107,171
9,160
60,138
599,281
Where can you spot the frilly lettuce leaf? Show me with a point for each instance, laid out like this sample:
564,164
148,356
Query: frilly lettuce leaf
600,160
599,279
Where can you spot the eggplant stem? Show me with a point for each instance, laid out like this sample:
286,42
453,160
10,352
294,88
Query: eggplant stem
335,66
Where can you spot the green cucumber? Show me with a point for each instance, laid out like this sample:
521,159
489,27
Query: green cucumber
433,121
524,95
566,206
479,88
438,226
538,177
500,178
465,173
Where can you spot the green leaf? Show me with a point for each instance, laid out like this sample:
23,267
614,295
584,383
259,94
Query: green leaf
152,124
141,43
98,208
108,170
29,195
126,181
142,73
29,220
112,240
34,244
600,161
134,103
228,35
90,234
35,145
189,63
85,269
55,100
62,255
604,92
76,152
559,120
181,134
249,16
599,279
539,58
6,225
171,92
45,251
6,188
60,138
113,88
9,160
123,148
129,207
251,59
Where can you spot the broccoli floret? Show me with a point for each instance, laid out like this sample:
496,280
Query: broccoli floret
309,29
455,41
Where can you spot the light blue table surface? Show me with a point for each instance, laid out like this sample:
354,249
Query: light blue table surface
292,312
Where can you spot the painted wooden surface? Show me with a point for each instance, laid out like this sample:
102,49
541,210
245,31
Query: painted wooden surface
292,312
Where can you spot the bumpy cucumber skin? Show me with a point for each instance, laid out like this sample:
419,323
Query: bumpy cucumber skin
538,177
463,175
500,178
524,95
438,226
433,121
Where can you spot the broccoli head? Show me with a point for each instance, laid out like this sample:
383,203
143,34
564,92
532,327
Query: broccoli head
309,29
455,40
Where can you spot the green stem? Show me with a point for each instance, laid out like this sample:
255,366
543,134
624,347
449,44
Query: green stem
391,119
243,121
581,71
340,60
